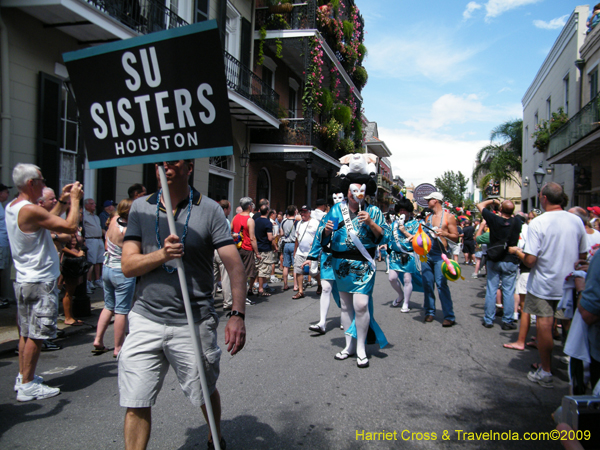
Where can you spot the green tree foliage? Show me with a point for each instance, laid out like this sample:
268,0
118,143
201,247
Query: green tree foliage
501,159
453,187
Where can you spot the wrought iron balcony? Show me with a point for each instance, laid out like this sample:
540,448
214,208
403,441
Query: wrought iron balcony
246,83
384,183
144,17
578,126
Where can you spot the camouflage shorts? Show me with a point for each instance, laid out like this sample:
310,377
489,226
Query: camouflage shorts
38,309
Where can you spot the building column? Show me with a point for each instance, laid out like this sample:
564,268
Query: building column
308,182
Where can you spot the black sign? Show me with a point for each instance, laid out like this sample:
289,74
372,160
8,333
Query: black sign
423,190
158,97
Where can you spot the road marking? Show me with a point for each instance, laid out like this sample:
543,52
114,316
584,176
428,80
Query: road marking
59,370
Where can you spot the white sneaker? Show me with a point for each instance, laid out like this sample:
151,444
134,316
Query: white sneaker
404,310
274,279
313,283
35,391
19,381
91,286
516,316
474,276
89,290
546,381
387,271
255,285
291,278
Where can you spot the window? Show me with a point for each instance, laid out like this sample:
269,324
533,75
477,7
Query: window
233,32
293,104
267,76
549,108
263,185
526,142
566,89
593,83
69,139
536,118
524,206
201,10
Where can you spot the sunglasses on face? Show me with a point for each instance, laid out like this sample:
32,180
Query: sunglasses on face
168,163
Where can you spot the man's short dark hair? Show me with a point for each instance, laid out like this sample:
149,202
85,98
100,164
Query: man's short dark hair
134,190
291,210
264,210
404,204
263,201
553,193
224,204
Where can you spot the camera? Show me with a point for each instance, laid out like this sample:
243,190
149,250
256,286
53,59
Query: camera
582,412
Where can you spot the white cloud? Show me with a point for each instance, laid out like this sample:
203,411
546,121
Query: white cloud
420,158
436,57
471,7
554,24
458,109
496,7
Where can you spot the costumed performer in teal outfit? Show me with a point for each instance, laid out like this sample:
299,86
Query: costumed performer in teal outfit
359,228
328,284
405,267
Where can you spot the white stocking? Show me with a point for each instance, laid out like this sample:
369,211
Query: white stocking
362,318
408,287
325,299
387,263
347,315
395,282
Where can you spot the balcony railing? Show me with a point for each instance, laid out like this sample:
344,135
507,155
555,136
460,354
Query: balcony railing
384,184
246,83
294,132
144,17
578,126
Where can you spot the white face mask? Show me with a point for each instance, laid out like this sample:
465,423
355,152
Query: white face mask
358,192
337,197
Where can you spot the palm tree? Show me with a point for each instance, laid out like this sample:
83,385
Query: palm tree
501,161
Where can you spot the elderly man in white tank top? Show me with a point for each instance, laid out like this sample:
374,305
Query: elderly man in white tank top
29,228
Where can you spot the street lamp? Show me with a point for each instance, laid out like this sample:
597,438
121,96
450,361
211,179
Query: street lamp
539,175
244,157
526,182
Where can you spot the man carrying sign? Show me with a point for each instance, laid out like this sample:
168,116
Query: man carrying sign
159,334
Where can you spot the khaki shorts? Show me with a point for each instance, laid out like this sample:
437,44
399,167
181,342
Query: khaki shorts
37,309
539,307
264,264
149,350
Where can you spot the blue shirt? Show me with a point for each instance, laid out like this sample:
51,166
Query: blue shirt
590,301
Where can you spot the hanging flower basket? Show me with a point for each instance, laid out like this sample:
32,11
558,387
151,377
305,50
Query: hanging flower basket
284,8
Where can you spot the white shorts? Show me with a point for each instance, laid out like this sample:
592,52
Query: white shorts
95,254
457,250
522,283
149,350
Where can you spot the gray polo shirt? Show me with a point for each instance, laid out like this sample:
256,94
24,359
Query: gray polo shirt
158,293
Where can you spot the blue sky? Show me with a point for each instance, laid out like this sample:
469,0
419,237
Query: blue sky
442,74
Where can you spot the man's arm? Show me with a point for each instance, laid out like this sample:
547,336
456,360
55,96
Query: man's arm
484,204
452,232
235,330
270,236
134,263
253,236
34,217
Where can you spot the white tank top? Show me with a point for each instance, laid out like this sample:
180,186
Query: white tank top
34,254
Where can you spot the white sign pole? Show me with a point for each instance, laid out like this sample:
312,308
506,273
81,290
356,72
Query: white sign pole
188,310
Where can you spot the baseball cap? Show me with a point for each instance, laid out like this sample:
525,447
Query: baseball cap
321,202
594,209
435,195
304,208
109,203
4,187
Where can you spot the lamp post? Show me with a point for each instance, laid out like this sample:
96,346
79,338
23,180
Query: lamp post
244,159
539,175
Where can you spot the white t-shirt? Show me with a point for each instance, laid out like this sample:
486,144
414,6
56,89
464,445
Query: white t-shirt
556,238
593,238
305,234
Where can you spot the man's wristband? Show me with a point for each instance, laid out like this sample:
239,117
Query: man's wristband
236,313
61,202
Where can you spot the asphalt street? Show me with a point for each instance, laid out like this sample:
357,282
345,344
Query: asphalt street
286,391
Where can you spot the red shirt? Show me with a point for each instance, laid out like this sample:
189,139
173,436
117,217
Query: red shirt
239,224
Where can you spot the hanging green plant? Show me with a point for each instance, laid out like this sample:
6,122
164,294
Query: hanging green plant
326,101
360,77
343,114
348,28
362,52
277,22
346,146
261,46
278,48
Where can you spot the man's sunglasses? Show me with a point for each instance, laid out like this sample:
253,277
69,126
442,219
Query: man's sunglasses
168,163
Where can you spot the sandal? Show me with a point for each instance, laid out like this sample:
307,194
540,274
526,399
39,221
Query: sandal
298,295
343,355
286,288
316,329
264,294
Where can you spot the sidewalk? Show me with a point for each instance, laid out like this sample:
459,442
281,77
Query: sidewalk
9,337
